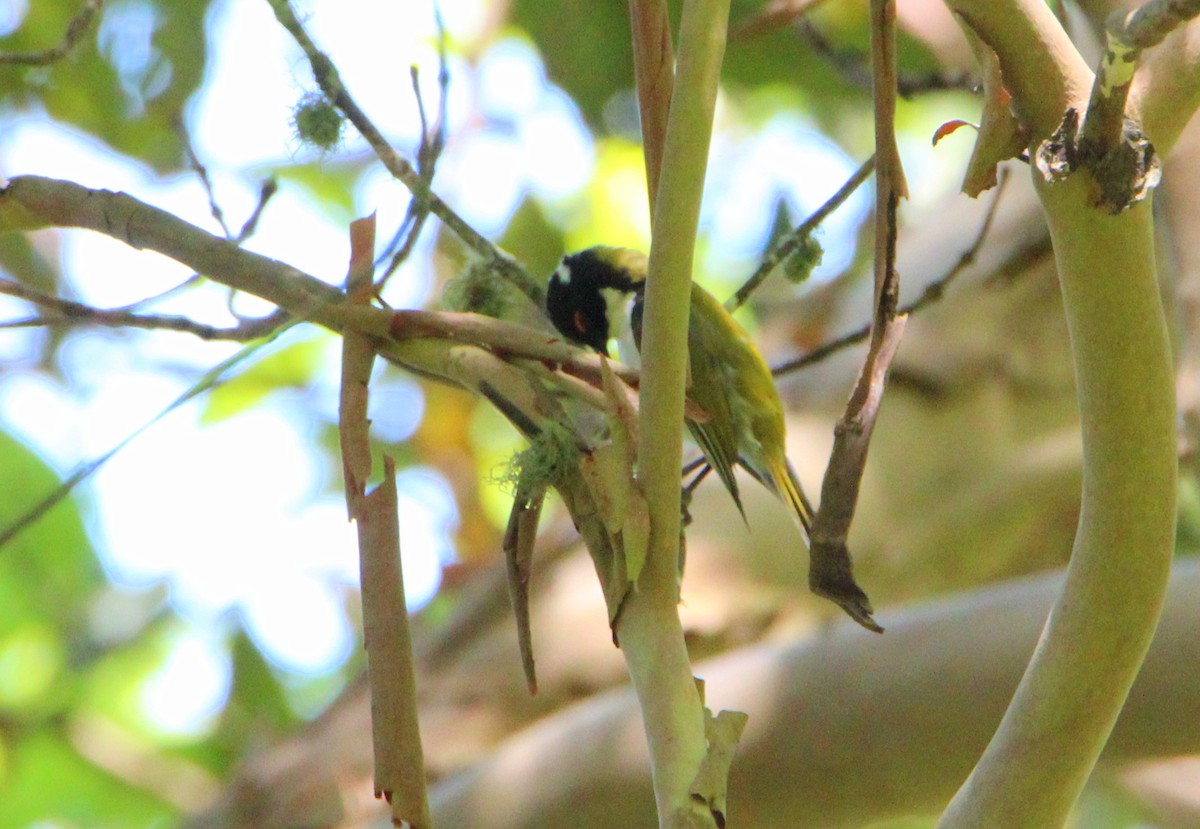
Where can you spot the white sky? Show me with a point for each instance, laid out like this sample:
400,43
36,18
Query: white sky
281,553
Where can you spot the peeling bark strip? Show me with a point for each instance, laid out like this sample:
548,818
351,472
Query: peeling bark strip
395,732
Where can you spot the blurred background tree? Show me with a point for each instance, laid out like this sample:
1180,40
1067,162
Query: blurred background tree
178,634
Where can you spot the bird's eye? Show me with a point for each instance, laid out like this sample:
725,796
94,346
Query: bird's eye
580,322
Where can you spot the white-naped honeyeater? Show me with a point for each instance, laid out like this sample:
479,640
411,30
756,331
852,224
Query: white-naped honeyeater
596,296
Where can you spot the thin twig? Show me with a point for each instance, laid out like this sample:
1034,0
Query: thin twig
76,313
519,538
201,173
933,292
265,191
852,67
191,282
331,85
212,378
433,141
76,29
1127,35
800,235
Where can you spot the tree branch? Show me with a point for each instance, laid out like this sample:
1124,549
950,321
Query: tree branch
933,292
1041,66
331,85
66,312
654,69
941,679
76,29
1166,89
649,629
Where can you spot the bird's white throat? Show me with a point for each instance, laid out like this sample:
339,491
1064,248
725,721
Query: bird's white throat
618,310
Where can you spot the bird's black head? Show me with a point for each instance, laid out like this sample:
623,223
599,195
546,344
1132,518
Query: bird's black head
585,293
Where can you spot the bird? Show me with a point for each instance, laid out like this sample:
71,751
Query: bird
596,295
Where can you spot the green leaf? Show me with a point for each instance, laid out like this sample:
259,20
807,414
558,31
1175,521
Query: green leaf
576,35
256,712
329,182
47,780
48,570
31,659
533,239
293,366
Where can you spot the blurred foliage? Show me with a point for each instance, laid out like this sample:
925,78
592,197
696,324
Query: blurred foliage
19,257
53,669
127,84
47,779
595,35
257,710
49,571
329,182
293,365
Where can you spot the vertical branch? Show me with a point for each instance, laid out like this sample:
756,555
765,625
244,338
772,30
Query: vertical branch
1098,631
649,629
890,185
399,761
654,71
830,572
358,356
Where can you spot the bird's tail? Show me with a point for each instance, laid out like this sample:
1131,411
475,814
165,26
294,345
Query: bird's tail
788,486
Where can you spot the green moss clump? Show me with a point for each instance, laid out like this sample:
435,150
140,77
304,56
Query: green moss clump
317,122
551,456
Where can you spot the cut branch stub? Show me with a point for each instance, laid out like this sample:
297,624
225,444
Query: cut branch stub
1122,175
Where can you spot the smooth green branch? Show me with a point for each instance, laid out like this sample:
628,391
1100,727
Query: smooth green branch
649,629
1102,623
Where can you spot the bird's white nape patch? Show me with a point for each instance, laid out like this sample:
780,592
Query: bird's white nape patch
563,274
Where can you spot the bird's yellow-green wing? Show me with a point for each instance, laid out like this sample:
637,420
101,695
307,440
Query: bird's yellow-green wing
710,383
733,383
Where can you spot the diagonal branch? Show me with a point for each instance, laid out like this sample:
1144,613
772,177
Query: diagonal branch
796,239
331,85
66,312
933,292
76,29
